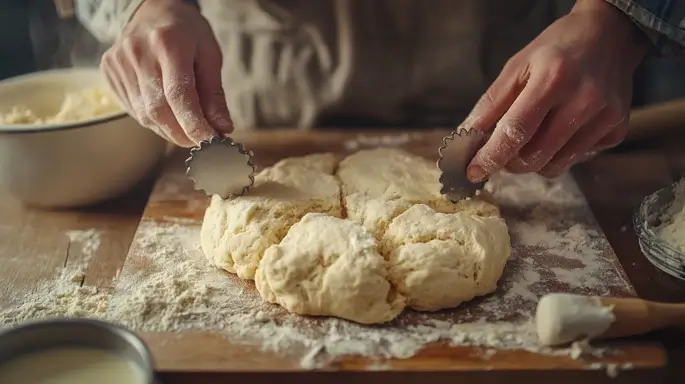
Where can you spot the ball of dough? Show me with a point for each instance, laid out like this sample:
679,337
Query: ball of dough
236,232
395,242
329,266
440,260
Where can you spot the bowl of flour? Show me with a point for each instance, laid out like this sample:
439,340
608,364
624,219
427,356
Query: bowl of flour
660,227
66,142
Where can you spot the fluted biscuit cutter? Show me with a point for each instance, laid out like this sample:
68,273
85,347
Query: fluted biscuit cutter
221,166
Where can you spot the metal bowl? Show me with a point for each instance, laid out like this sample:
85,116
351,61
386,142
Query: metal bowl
72,164
645,219
74,332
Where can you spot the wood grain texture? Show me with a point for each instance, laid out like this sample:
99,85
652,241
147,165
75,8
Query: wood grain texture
35,247
173,200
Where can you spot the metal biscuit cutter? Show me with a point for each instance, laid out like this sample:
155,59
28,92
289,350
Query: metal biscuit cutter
221,166
455,154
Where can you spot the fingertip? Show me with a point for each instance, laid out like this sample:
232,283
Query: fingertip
476,174
492,156
219,117
200,133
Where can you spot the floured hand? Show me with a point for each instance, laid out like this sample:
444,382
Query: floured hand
166,70
563,97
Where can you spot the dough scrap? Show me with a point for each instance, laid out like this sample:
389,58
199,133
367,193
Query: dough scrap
329,266
441,260
359,240
236,232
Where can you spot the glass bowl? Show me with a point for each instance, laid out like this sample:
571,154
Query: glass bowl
645,219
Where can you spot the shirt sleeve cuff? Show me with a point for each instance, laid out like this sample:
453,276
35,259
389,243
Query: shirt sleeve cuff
661,21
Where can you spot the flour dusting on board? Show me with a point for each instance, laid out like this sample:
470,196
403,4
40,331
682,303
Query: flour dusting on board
170,286
64,296
88,239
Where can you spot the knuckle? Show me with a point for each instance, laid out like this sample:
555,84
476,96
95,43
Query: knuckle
592,96
617,117
155,111
132,47
557,66
511,64
175,91
106,57
162,36
515,131
488,98
107,60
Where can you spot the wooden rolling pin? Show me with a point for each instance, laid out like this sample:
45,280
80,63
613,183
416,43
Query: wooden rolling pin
657,120
562,318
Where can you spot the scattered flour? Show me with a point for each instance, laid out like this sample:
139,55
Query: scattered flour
168,285
89,240
65,295
672,227
612,369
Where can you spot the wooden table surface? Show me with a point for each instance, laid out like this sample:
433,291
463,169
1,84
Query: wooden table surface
614,184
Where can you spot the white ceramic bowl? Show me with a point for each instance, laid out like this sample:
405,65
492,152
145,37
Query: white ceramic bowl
72,164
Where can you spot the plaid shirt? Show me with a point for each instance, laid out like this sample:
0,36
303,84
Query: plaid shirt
663,21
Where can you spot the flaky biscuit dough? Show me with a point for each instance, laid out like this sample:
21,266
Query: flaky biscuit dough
361,239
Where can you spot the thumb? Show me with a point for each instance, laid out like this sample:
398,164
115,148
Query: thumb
210,91
496,100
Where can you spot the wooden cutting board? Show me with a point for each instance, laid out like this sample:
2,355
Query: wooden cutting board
557,245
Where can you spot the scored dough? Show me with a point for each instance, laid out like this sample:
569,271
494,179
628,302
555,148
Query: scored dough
380,184
236,232
329,266
359,242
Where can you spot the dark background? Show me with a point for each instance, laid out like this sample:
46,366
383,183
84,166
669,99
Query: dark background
33,37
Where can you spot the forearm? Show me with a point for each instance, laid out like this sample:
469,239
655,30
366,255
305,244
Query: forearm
661,21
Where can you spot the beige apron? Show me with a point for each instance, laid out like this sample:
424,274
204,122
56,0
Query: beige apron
308,63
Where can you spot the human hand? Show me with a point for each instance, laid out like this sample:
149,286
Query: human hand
562,98
166,71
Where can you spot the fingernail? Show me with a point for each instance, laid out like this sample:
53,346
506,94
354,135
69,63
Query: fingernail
476,174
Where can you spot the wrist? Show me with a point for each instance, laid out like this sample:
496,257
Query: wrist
616,25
